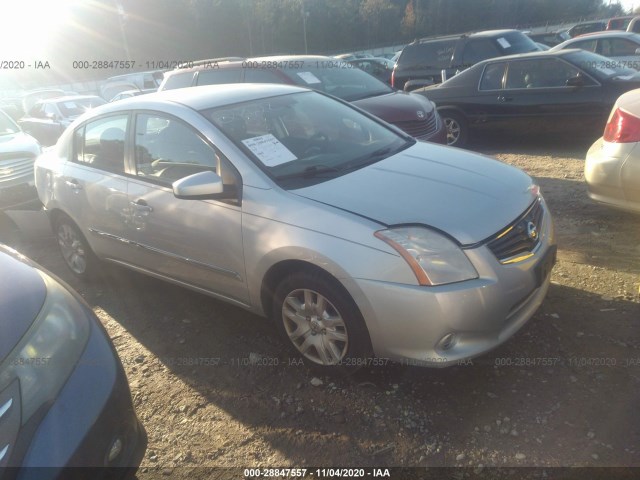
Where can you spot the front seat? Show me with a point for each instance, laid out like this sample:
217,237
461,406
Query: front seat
111,154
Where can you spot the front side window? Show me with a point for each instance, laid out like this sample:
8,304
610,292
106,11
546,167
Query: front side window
492,76
100,144
541,73
167,150
617,47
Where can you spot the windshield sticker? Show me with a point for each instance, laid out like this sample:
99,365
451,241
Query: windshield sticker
269,150
309,77
503,43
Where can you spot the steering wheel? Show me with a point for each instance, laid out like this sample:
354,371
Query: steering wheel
318,143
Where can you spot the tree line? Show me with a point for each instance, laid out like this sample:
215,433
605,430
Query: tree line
151,32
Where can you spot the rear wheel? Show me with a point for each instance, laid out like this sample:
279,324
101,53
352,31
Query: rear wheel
321,322
457,128
75,250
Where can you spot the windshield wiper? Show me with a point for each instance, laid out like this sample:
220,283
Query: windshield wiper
373,157
310,172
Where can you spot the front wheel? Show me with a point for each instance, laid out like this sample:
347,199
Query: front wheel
321,321
75,250
457,128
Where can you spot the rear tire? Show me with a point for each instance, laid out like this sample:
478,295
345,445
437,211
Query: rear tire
321,322
75,249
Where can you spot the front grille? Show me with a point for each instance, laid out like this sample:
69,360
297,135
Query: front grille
419,128
516,242
15,165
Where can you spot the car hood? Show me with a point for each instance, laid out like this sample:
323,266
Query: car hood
466,195
396,106
19,142
22,294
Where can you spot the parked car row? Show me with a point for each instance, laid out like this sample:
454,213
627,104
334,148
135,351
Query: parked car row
411,113
558,91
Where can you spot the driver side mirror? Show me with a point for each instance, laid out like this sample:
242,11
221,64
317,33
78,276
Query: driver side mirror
199,186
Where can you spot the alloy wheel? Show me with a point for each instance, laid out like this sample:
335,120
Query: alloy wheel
315,327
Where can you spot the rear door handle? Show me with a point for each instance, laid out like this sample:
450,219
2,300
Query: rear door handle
505,99
73,184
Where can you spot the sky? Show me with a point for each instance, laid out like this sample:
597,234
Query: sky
627,4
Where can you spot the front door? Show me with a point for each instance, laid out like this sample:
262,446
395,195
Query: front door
198,242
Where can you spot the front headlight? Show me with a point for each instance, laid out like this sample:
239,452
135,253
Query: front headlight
49,351
434,258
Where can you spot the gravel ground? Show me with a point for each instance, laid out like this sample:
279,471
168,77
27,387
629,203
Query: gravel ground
215,386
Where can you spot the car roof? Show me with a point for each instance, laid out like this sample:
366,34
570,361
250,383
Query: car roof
482,34
605,33
543,54
68,98
200,65
205,96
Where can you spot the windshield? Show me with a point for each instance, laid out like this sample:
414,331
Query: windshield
7,126
77,106
304,136
515,42
336,77
600,67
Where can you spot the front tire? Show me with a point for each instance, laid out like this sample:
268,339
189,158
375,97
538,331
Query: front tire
76,252
457,128
321,322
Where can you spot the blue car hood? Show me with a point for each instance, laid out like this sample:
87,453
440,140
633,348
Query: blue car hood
22,295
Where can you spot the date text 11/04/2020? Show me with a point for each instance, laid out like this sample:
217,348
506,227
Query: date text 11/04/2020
256,473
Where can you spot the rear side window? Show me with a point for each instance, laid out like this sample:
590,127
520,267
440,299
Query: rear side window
479,49
100,143
217,76
259,75
437,53
178,80
588,45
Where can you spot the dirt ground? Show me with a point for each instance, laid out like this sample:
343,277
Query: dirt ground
214,385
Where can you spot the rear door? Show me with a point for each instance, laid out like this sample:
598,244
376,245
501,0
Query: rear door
93,187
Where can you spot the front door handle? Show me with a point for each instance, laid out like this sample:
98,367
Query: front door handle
142,206
503,99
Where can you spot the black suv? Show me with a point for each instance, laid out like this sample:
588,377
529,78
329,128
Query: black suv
424,61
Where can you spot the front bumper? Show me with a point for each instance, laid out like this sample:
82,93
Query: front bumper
411,323
73,438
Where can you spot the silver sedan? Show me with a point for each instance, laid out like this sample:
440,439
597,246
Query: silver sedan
356,239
